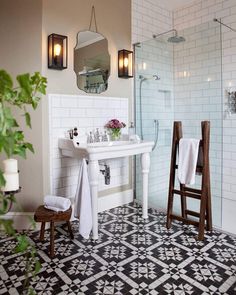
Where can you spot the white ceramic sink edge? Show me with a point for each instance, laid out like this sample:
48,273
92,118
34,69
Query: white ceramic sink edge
100,150
109,143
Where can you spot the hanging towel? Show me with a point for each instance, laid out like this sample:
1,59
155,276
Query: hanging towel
56,203
188,156
83,203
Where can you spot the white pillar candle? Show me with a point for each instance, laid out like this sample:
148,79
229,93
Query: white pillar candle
12,182
10,166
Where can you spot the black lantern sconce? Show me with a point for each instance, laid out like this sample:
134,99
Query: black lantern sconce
57,52
125,63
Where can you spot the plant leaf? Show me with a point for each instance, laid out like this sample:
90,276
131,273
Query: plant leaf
23,243
8,226
2,179
5,82
28,119
29,146
37,267
24,82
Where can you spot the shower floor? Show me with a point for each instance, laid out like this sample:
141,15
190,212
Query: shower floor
132,256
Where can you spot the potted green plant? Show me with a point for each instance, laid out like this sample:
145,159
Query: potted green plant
12,142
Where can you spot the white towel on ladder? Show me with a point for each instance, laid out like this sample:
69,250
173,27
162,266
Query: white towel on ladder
83,202
188,156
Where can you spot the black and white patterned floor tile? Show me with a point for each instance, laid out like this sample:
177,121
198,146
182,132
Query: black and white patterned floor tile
132,256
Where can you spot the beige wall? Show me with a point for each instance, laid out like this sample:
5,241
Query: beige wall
20,52
24,27
68,18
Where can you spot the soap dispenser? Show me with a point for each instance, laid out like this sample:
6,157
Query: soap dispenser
131,130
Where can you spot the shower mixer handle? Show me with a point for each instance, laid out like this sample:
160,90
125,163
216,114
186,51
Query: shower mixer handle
156,126
156,77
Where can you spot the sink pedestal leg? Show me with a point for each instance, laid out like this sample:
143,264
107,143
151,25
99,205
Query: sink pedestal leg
145,164
93,180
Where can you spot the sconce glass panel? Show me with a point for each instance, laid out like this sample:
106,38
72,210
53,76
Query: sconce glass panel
57,52
125,63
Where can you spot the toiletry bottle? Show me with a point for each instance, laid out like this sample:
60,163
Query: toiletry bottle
90,138
131,131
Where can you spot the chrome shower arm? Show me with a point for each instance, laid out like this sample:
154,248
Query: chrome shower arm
158,35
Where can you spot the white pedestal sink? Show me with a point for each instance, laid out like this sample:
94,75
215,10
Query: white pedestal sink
108,150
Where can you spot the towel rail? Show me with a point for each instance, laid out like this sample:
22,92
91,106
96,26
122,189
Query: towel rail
203,194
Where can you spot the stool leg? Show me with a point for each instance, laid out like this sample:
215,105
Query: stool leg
70,229
51,239
42,230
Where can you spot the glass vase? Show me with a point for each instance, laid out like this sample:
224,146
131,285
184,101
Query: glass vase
115,134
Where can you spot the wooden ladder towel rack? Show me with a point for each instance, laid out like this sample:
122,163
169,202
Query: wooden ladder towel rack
203,194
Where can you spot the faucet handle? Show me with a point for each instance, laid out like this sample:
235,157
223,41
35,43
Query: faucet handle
90,137
97,135
105,136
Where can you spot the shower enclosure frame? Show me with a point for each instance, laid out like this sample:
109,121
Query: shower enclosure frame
138,44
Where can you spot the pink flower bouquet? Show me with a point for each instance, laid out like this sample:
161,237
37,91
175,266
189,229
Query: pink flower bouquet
114,126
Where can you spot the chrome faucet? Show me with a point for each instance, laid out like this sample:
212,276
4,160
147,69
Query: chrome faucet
90,137
97,135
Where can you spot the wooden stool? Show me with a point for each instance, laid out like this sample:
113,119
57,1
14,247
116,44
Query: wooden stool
45,215
203,194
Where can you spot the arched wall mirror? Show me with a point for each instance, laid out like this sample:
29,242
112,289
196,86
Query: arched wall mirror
91,62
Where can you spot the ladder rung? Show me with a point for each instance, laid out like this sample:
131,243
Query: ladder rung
193,213
188,221
199,169
187,194
193,190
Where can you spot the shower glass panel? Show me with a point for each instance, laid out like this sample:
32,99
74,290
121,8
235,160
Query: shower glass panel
188,89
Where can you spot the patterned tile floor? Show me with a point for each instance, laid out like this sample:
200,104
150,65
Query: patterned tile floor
132,256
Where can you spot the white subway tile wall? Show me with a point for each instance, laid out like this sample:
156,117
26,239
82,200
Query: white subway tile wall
197,97
200,13
87,113
149,17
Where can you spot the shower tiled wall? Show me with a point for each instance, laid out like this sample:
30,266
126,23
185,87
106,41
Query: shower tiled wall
149,17
87,113
196,14
197,92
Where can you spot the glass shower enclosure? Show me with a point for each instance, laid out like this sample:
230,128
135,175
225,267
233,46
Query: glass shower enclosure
178,77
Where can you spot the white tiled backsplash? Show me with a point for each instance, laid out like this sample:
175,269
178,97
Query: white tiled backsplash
86,113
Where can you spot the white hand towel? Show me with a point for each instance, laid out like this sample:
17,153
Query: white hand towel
188,156
56,203
83,202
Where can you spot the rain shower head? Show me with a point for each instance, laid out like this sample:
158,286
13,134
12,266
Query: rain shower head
176,39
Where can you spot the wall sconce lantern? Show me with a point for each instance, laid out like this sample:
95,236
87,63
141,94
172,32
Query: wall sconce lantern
125,63
57,52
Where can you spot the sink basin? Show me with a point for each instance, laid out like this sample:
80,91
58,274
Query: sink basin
103,150
109,143
107,150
